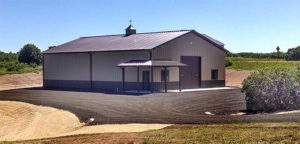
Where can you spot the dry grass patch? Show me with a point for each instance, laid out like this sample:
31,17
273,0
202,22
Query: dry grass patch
14,81
109,128
20,121
236,77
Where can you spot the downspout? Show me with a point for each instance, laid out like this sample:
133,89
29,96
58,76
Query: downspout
151,84
43,70
150,54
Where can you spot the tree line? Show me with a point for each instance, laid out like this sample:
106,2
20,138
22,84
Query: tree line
293,54
28,59
29,54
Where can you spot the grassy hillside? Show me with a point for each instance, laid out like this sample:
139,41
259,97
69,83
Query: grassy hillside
227,133
239,63
285,132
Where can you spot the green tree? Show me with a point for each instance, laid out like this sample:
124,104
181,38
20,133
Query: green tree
293,54
30,54
50,47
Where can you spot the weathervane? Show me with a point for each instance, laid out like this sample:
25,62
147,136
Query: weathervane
130,21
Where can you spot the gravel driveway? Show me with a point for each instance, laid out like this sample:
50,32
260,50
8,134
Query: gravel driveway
180,108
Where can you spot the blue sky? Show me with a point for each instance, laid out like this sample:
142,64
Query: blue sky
243,25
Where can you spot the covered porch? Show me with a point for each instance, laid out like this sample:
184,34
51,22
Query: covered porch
157,75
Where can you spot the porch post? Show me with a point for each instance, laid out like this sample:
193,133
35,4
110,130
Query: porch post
123,78
179,68
91,70
152,79
138,79
165,75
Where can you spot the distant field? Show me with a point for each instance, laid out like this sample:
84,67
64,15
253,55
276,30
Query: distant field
257,63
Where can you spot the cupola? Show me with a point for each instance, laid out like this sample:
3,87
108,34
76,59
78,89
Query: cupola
130,30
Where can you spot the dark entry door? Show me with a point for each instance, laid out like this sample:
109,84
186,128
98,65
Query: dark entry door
191,74
146,80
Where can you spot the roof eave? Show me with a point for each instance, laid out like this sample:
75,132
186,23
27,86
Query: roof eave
172,39
45,52
208,40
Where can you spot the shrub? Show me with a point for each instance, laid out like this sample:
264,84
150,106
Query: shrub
228,62
273,89
30,54
13,66
7,57
293,54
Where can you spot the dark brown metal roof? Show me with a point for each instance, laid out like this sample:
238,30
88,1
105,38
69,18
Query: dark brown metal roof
139,41
214,40
148,63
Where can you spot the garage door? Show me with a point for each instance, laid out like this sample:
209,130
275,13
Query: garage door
191,74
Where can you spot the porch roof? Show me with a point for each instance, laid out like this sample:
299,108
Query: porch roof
151,63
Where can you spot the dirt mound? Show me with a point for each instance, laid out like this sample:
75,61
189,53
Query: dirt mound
20,121
236,77
13,81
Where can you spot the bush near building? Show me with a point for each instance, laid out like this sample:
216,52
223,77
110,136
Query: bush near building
273,88
228,62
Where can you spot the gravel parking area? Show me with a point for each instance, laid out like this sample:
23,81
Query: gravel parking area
169,108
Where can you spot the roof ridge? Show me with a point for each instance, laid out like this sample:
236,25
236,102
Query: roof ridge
165,31
102,35
139,33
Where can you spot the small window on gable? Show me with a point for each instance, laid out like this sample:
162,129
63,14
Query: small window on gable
214,74
162,75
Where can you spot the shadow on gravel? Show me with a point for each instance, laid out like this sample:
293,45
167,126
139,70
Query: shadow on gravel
89,90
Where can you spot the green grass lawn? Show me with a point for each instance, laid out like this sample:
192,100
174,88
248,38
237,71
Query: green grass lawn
260,132
239,63
227,133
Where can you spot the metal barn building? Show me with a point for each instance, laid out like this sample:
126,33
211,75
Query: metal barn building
169,60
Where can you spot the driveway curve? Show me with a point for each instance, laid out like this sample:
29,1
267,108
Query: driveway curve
170,108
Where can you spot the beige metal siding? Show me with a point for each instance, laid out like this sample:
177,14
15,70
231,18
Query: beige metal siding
173,74
192,45
105,65
74,66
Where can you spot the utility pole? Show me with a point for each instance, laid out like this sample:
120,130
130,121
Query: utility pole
278,48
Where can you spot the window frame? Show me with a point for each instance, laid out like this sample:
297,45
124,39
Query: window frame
214,74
